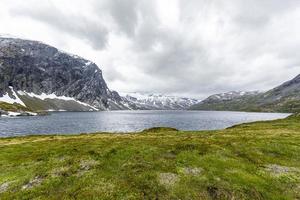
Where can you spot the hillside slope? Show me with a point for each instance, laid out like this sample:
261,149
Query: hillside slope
284,98
231,101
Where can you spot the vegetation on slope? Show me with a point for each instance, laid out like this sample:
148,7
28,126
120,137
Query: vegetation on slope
248,103
250,161
251,104
12,107
284,98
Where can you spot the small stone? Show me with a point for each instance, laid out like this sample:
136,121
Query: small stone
168,179
278,170
191,171
4,187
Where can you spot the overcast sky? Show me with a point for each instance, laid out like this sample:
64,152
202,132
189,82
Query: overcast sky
183,47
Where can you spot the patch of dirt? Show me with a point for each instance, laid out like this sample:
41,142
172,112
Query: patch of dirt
219,193
33,183
168,179
191,171
160,129
279,170
4,187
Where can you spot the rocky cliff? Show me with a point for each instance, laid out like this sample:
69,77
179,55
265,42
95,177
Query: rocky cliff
44,78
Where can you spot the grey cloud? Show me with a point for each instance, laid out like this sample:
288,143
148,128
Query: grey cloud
125,14
76,25
187,66
216,46
258,13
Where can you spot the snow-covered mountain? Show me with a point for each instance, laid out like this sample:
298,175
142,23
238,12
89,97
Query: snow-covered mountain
145,101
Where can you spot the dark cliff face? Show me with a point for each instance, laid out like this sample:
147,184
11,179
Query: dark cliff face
34,67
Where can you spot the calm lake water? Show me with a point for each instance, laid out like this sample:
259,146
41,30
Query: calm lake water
125,121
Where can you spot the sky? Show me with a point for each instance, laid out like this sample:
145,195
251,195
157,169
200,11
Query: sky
189,48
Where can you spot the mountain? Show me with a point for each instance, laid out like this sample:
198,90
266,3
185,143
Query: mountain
284,98
231,101
144,101
41,77
229,96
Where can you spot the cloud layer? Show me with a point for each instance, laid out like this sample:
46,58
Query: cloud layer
194,47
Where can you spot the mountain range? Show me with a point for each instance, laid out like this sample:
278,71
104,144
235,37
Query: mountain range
39,77
146,101
42,78
284,98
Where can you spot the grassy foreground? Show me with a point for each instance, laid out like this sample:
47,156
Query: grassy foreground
250,161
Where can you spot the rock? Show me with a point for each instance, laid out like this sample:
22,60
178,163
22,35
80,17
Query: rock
279,170
2,112
191,171
168,179
4,187
27,114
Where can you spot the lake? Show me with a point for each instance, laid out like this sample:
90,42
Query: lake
126,121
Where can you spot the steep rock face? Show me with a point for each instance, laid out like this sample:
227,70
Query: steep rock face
36,68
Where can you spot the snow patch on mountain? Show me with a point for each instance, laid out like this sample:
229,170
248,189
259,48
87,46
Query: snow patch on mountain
44,96
12,98
147,101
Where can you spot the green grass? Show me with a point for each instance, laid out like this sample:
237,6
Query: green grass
250,161
252,104
12,107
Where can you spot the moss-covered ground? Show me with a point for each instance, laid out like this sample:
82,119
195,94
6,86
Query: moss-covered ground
259,160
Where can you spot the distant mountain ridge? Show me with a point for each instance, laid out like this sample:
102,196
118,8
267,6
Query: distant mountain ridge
284,98
230,95
230,101
146,101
